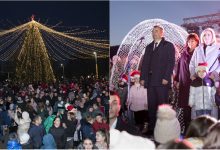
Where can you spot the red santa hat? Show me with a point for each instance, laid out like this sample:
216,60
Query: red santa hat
124,78
69,107
202,66
135,74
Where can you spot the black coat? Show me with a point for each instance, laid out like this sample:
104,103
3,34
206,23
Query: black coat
160,61
183,77
36,135
59,136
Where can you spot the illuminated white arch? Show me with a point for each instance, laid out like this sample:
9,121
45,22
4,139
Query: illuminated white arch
133,45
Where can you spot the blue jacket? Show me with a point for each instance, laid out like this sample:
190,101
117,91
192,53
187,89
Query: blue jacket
13,145
87,131
48,142
36,135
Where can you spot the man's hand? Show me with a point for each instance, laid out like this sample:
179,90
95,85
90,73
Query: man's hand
164,82
142,82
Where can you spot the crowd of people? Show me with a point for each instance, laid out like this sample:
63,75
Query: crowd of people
68,114
141,104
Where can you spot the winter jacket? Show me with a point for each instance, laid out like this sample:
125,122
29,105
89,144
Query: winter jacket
212,52
14,145
97,126
87,131
48,123
48,142
202,94
59,136
138,98
24,123
183,77
36,135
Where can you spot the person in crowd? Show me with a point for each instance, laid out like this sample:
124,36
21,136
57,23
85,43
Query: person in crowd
13,142
96,109
30,110
167,125
49,108
99,124
87,144
157,68
36,132
202,91
182,79
87,129
58,133
198,129
42,111
102,139
123,92
48,142
70,124
23,122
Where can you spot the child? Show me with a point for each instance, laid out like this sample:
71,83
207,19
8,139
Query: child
202,91
137,101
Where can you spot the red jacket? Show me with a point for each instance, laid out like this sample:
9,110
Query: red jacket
96,126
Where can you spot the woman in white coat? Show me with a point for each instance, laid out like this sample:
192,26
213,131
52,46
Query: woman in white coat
208,51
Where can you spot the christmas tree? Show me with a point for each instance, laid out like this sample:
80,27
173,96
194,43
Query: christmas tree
33,63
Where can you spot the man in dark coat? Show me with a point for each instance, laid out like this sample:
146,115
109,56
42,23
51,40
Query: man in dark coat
36,132
156,71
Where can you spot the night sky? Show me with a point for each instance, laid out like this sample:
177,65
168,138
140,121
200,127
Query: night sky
75,13
94,14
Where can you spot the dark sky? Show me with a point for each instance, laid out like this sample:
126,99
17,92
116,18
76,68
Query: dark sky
94,14
75,13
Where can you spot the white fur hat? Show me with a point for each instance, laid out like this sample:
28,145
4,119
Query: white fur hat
167,125
124,140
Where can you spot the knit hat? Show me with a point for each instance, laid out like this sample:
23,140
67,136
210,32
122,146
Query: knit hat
167,125
24,138
202,66
123,140
135,74
124,78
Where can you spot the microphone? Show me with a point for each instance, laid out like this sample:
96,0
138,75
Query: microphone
142,38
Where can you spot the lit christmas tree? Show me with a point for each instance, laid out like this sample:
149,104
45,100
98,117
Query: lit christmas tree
33,63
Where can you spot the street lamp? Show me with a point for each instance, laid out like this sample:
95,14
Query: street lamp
63,70
96,65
